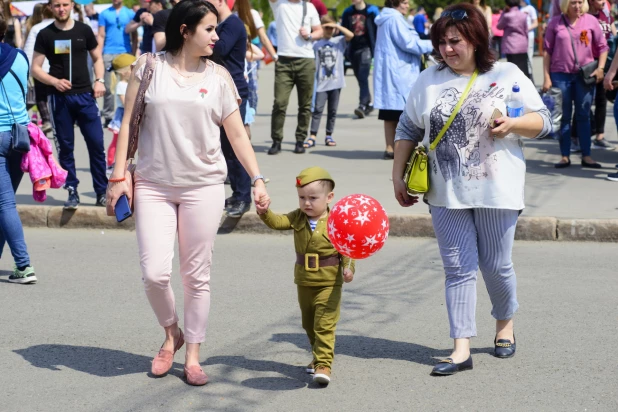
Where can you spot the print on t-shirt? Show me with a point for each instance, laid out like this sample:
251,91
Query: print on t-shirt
62,47
329,63
466,149
359,24
328,59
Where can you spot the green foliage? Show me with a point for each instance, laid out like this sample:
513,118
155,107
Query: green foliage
128,3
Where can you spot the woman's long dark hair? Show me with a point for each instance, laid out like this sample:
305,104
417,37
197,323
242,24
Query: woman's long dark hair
189,13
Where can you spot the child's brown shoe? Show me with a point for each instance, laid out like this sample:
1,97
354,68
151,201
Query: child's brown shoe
322,375
311,368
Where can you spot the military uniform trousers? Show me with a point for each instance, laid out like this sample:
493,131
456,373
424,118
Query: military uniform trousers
320,306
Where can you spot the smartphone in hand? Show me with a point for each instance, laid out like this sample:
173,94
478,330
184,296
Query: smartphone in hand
494,116
122,209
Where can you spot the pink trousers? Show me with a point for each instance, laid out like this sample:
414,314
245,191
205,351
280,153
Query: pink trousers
194,213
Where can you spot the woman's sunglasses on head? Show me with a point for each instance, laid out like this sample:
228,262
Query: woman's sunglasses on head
455,14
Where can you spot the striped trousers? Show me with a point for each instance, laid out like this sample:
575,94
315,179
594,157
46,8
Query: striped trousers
470,239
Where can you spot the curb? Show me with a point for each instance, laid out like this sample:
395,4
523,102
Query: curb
528,228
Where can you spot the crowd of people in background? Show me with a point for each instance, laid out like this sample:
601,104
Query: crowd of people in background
195,62
77,54
380,36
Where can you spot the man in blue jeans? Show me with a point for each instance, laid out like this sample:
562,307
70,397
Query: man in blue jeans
66,44
231,48
359,18
14,77
114,41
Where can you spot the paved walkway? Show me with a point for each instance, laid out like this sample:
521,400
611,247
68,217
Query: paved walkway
82,339
357,166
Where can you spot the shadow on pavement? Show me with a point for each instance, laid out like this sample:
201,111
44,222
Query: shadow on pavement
608,158
539,167
364,347
349,154
29,200
228,225
6,273
100,362
295,376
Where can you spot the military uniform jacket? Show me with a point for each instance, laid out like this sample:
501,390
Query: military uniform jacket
306,241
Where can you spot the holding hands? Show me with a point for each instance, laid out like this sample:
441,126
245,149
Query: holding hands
262,200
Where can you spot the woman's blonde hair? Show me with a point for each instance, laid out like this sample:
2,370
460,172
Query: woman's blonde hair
564,6
437,13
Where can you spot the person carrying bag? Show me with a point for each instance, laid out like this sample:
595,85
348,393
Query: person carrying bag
14,142
416,174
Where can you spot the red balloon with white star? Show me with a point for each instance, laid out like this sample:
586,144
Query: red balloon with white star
358,226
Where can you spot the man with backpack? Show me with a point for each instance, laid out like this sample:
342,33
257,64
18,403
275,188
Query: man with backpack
298,25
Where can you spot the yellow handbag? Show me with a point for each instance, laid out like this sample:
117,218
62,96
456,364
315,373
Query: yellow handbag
416,174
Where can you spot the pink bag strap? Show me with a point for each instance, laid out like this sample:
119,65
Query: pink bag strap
140,105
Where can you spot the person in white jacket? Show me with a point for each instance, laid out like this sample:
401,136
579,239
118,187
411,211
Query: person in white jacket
40,89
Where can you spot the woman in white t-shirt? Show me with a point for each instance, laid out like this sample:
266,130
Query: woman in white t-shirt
476,172
180,174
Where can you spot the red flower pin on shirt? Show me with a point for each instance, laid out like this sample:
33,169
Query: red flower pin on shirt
491,86
203,92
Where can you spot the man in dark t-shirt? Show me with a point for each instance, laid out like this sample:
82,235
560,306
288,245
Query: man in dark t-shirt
231,49
145,17
359,18
158,28
66,43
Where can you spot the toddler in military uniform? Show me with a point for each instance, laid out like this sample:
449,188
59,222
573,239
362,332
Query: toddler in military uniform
320,270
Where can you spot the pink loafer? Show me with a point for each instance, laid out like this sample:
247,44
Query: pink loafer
162,363
195,376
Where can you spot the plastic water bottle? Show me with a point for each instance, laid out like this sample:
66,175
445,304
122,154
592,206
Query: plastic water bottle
515,106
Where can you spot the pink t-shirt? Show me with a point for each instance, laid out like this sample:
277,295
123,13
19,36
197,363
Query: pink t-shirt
494,25
587,36
515,26
179,140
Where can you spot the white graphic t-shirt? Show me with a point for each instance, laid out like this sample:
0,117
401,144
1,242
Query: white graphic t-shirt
469,168
329,63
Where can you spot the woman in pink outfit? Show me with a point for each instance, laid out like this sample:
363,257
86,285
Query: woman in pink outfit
180,174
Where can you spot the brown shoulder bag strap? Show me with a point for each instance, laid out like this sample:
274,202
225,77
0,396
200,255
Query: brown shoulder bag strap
140,105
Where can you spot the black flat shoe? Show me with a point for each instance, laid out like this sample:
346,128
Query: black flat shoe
448,367
591,165
504,348
562,165
275,148
388,155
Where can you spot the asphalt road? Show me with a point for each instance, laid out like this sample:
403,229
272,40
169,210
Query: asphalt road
82,339
357,166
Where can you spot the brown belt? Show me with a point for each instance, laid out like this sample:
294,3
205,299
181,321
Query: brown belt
313,262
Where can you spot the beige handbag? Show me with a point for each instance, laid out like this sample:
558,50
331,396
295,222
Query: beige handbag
136,120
